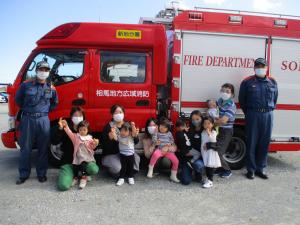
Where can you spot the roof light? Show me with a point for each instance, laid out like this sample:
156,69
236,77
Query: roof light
62,31
280,23
235,19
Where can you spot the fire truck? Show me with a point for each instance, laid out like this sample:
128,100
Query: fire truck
169,66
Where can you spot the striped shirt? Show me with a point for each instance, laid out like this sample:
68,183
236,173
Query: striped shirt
164,138
228,109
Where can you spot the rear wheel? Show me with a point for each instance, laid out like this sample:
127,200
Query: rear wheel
54,151
55,155
235,154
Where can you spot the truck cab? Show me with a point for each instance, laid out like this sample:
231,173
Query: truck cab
96,65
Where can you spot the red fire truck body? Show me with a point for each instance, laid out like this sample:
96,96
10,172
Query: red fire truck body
154,72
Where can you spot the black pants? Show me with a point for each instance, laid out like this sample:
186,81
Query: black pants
223,141
210,173
80,170
127,163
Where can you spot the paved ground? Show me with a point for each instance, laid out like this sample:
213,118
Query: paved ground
235,201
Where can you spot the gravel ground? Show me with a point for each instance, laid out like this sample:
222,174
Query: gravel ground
235,201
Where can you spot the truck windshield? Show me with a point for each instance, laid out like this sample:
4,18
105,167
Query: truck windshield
123,67
66,65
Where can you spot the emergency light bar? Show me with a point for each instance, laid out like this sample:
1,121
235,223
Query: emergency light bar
62,31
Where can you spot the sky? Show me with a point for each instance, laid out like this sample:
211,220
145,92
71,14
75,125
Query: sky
22,23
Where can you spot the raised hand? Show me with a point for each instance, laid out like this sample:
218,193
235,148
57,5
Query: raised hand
208,131
60,124
112,134
135,131
96,141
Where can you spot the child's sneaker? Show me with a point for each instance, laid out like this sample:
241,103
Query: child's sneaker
75,181
226,174
131,180
120,182
82,182
208,184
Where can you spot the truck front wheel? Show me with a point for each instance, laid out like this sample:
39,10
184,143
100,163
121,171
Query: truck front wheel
235,154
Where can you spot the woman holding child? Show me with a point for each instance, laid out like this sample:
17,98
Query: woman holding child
68,171
190,161
111,152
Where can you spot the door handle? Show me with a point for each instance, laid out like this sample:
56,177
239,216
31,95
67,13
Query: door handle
142,103
78,102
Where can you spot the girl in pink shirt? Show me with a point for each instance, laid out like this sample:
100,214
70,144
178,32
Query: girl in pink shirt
84,145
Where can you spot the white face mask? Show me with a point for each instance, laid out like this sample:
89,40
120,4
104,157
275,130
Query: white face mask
151,129
118,117
225,96
42,75
77,119
261,72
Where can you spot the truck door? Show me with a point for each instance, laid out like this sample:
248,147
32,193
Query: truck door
210,60
123,78
285,68
69,74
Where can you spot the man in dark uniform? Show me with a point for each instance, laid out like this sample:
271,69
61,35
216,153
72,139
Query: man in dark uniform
258,98
35,99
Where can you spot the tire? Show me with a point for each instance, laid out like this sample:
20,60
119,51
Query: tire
54,156
235,154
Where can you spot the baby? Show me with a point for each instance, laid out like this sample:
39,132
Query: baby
212,110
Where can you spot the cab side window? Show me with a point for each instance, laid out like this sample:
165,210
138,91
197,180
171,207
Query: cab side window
66,66
122,67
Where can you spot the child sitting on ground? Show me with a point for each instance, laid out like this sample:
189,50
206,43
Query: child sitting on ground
186,152
84,145
165,147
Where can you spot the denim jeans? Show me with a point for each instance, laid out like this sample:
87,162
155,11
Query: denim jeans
186,171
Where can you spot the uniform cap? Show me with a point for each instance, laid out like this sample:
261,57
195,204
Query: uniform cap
42,64
260,61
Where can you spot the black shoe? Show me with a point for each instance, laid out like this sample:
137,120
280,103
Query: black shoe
250,175
262,175
42,179
21,181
